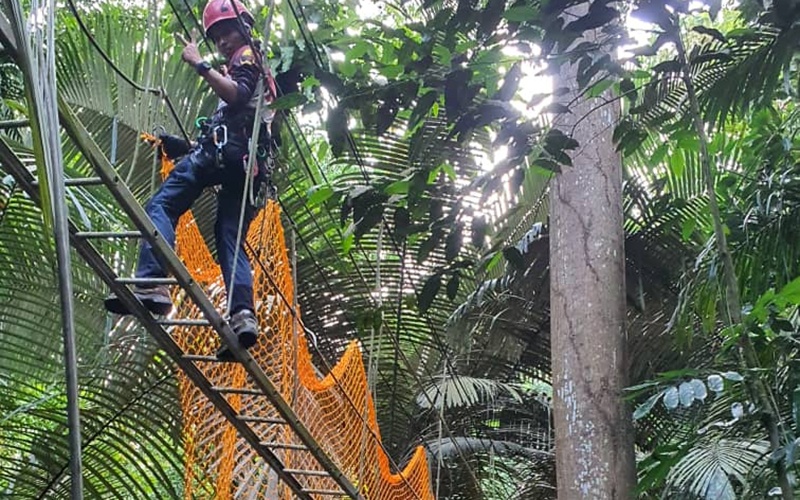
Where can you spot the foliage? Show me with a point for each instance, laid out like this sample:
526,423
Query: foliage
414,174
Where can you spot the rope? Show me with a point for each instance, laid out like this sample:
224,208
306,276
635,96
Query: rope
394,339
159,91
253,146
328,367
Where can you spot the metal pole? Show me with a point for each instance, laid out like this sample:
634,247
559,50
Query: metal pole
15,35
61,233
54,166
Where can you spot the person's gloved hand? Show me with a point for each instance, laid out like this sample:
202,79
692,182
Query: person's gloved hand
174,146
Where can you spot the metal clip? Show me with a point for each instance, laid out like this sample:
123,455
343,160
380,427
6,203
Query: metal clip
215,133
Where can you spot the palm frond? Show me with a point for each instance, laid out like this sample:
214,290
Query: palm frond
717,468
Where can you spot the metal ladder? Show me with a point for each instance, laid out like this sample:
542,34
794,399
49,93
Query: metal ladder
81,242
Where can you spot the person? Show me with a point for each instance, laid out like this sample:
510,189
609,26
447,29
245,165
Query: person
218,158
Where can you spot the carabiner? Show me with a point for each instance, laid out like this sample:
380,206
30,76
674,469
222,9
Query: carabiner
217,142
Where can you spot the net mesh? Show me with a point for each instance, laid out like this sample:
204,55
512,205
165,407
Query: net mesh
336,408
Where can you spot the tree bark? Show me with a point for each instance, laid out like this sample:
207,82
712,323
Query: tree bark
594,449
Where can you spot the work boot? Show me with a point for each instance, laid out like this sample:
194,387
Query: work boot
155,298
245,326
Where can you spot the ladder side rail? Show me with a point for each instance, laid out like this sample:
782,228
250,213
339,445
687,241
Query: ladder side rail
142,221
99,265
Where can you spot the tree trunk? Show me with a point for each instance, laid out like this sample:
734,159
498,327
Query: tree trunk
594,449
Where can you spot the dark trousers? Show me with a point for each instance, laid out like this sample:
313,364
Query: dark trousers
194,172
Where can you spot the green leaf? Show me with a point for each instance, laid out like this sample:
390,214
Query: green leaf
713,33
677,163
658,155
521,13
392,71
428,292
449,171
348,241
398,187
547,164
494,261
644,409
423,107
688,228
733,376
514,257
597,89
442,55
556,108
319,194
791,292
452,286
310,82
453,244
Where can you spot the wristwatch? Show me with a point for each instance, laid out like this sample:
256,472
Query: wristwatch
202,67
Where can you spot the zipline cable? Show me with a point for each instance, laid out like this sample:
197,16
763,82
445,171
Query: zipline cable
161,92
180,21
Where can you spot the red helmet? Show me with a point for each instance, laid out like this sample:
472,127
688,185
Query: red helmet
221,10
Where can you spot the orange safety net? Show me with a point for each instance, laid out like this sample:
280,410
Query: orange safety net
220,464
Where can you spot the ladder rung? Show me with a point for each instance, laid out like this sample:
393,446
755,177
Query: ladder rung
323,492
261,420
184,322
302,472
109,234
284,446
83,181
78,181
200,357
237,390
147,281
